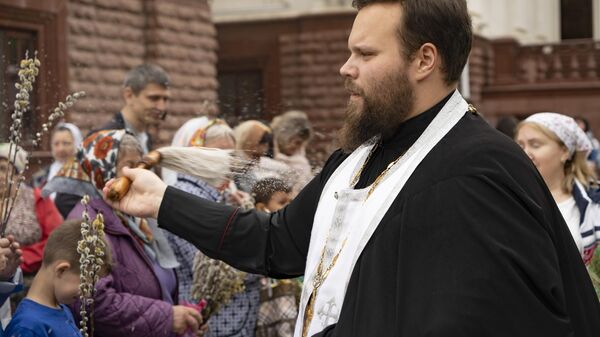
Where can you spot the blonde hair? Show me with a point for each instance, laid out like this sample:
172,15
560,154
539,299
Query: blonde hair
219,131
247,134
576,167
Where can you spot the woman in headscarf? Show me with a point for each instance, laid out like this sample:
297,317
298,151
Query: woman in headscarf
139,296
291,134
33,217
207,133
238,317
559,149
253,141
182,138
64,141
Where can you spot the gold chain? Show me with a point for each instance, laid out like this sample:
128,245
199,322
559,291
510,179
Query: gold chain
354,180
382,174
320,276
318,281
357,175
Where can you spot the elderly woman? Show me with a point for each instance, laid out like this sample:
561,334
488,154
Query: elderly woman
139,296
64,141
559,149
253,141
33,217
207,133
291,134
238,317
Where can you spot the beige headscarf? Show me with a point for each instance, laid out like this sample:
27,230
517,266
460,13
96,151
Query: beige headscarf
19,162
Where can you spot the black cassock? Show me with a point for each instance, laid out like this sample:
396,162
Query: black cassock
474,244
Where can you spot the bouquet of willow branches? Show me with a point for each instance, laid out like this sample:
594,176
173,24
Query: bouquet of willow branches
28,71
215,282
93,252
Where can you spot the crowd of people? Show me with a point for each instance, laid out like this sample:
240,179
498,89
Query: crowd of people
147,289
440,225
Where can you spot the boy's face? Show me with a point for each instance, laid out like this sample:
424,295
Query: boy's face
278,200
66,286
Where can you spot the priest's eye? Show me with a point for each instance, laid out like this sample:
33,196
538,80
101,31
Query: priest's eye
367,54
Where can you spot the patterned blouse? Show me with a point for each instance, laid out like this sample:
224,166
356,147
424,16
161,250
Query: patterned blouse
238,317
185,251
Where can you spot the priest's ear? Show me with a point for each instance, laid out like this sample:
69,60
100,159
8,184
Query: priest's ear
426,61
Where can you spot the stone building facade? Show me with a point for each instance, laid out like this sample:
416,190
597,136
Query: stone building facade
258,58
523,59
89,45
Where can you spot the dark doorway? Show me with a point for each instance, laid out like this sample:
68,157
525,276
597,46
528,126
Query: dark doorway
576,19
241,95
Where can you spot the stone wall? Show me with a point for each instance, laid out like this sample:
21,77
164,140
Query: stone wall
311,82
106,38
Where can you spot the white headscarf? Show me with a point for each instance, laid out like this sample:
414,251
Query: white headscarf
565,128
75,132
77,139
182,138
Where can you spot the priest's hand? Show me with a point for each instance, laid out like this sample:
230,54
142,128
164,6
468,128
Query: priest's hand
144,196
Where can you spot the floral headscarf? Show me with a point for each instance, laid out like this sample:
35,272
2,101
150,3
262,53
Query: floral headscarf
98,155
186,131
199,137
191,133
565,128
95,164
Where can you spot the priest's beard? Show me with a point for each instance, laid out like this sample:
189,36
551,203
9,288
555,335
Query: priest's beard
381,110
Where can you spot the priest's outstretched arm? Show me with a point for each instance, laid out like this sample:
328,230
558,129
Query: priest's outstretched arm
273,244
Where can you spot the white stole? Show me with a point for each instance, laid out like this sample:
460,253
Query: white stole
347,215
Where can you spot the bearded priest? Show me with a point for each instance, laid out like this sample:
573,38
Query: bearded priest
427,222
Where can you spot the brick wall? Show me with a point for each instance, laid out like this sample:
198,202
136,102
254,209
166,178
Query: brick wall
108,37
481,62
517,80
310,81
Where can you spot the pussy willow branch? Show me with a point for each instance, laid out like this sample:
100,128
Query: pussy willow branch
28,71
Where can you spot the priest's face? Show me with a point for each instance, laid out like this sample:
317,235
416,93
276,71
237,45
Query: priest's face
376,77
544,149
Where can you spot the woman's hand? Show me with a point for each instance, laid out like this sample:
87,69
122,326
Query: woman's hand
10,257
186,318
145,193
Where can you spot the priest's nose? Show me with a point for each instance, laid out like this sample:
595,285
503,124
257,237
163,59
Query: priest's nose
349,69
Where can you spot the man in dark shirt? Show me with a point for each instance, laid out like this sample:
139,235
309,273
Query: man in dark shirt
146,94
468,240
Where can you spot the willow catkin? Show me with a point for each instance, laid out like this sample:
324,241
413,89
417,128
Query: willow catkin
215,282
211,165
